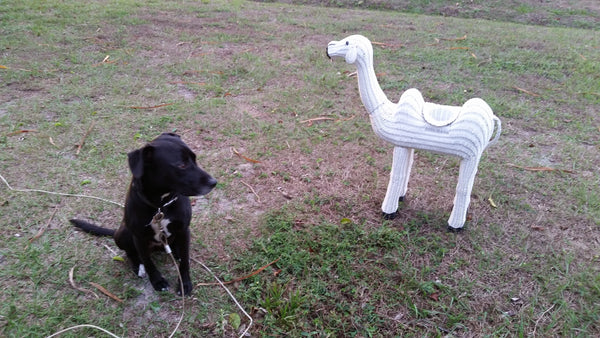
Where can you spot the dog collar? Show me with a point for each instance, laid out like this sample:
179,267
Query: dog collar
149,203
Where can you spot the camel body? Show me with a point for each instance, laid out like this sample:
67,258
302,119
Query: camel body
463,131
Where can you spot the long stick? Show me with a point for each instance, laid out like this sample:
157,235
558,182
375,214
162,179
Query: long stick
84,137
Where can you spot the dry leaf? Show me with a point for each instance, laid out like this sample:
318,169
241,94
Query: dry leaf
492,203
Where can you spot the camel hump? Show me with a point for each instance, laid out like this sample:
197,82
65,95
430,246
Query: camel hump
439,115
479,105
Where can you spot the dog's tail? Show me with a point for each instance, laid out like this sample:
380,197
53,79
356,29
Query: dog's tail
92,228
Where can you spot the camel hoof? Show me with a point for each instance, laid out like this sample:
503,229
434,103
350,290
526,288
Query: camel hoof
391,216
455,230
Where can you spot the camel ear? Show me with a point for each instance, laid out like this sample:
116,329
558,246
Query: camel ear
351,54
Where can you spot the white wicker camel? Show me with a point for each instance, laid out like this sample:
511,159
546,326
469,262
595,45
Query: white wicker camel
413,123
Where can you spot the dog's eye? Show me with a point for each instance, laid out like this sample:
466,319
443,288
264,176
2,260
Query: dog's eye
182,165
347,43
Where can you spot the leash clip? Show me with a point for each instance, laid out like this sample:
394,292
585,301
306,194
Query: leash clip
158,217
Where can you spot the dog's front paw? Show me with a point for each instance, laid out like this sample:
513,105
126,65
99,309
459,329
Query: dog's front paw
141,271
160,285
187,288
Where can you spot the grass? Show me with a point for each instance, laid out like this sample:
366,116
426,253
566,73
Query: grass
576,14
251,76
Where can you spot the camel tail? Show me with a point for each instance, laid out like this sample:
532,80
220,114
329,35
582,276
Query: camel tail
92,228
498,129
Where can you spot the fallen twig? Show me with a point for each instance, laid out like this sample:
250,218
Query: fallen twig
72,281
111,250
187,82
22,131
80,145
5,67
151,107
42,229
244,157
540,318
539,168
383,44
238,279
105,60
323,118
251,189
464,37
106,292
526,91
310,121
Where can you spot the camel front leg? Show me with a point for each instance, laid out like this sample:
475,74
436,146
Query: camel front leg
398,184
466,178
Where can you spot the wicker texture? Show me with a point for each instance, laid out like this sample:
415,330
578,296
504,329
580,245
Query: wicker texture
412,123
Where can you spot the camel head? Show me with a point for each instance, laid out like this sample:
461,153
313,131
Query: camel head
351,48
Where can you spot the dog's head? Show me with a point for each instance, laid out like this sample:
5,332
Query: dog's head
167,165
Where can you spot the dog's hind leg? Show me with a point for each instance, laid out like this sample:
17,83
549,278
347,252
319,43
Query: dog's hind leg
124,240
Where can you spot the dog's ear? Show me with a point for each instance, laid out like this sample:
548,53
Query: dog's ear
167,135
172,134
137,158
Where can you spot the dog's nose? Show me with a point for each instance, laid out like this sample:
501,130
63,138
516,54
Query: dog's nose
327,52
212,182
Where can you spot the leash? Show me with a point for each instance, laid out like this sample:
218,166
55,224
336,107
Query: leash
58,193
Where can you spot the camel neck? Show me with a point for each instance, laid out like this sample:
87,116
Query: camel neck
371,93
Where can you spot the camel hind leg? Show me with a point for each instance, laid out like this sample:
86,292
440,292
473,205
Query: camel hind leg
466,178
401,164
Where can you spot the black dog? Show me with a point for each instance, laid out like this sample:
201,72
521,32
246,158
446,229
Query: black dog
157,207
